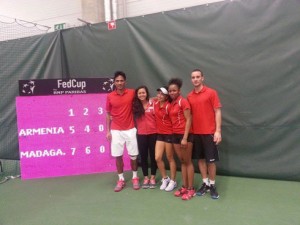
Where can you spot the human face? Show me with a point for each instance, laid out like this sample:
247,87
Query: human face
197,79
120,83
142,94
161,97
174,91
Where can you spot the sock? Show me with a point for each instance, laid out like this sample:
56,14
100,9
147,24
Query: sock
212,182
205,180
134,174
121,176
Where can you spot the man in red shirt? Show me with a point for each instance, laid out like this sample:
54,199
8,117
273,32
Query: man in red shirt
206,123
120,128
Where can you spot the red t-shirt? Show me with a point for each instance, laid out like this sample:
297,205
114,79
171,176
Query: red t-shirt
177,114
163,121
146,124
203,104
120,108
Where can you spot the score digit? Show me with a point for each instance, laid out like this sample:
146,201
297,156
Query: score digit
71,112
72,129
88,150
85,111
101,127
73,151
102,149
87,128
100,110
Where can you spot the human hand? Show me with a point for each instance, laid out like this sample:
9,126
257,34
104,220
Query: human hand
183,143
217,137
108,136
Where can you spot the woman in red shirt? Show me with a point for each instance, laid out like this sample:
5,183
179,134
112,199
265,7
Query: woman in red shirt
164,140
180,114
143,110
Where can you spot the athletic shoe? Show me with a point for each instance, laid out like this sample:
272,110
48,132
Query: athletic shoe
152,184
164,183
171,186
181,191
189,194
120,185
213,192
202,190
145,184
136,183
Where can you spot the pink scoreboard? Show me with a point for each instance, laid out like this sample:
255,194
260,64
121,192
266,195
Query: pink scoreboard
63,135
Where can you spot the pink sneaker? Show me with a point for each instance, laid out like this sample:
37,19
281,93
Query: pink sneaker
146,182
181,191
152,184
136,183
120,185
189,194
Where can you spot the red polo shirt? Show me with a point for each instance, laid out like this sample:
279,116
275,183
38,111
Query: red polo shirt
177,114
146,124
163,121
203,104
120,108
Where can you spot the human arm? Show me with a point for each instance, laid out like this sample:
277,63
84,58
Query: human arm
218,119
108,122
188,119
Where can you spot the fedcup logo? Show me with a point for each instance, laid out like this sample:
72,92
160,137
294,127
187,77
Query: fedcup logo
108,85
28,87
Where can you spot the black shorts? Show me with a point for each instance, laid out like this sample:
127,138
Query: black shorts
165,138
178,137
205,148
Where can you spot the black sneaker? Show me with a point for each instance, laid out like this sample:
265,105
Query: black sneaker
213,192
202,190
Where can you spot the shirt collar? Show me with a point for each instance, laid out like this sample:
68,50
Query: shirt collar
204,88
125,91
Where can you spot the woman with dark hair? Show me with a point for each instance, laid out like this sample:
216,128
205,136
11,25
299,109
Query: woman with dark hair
143,111
180,114
164,140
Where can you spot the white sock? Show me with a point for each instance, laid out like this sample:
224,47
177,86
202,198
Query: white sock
134,174
212,182
121,176
205,180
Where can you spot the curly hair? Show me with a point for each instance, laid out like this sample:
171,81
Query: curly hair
176,81
137,107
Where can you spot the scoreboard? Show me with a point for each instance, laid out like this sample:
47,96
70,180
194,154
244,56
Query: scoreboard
63,134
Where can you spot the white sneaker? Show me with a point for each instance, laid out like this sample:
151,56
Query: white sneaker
164,183
172,184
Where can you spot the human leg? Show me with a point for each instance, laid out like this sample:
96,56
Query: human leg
121,182
151,144
119,164
142,141
153,165
212,170
170,157
171,160
187,156
159,151
132,148
179,152
143,145
203,168
211,156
